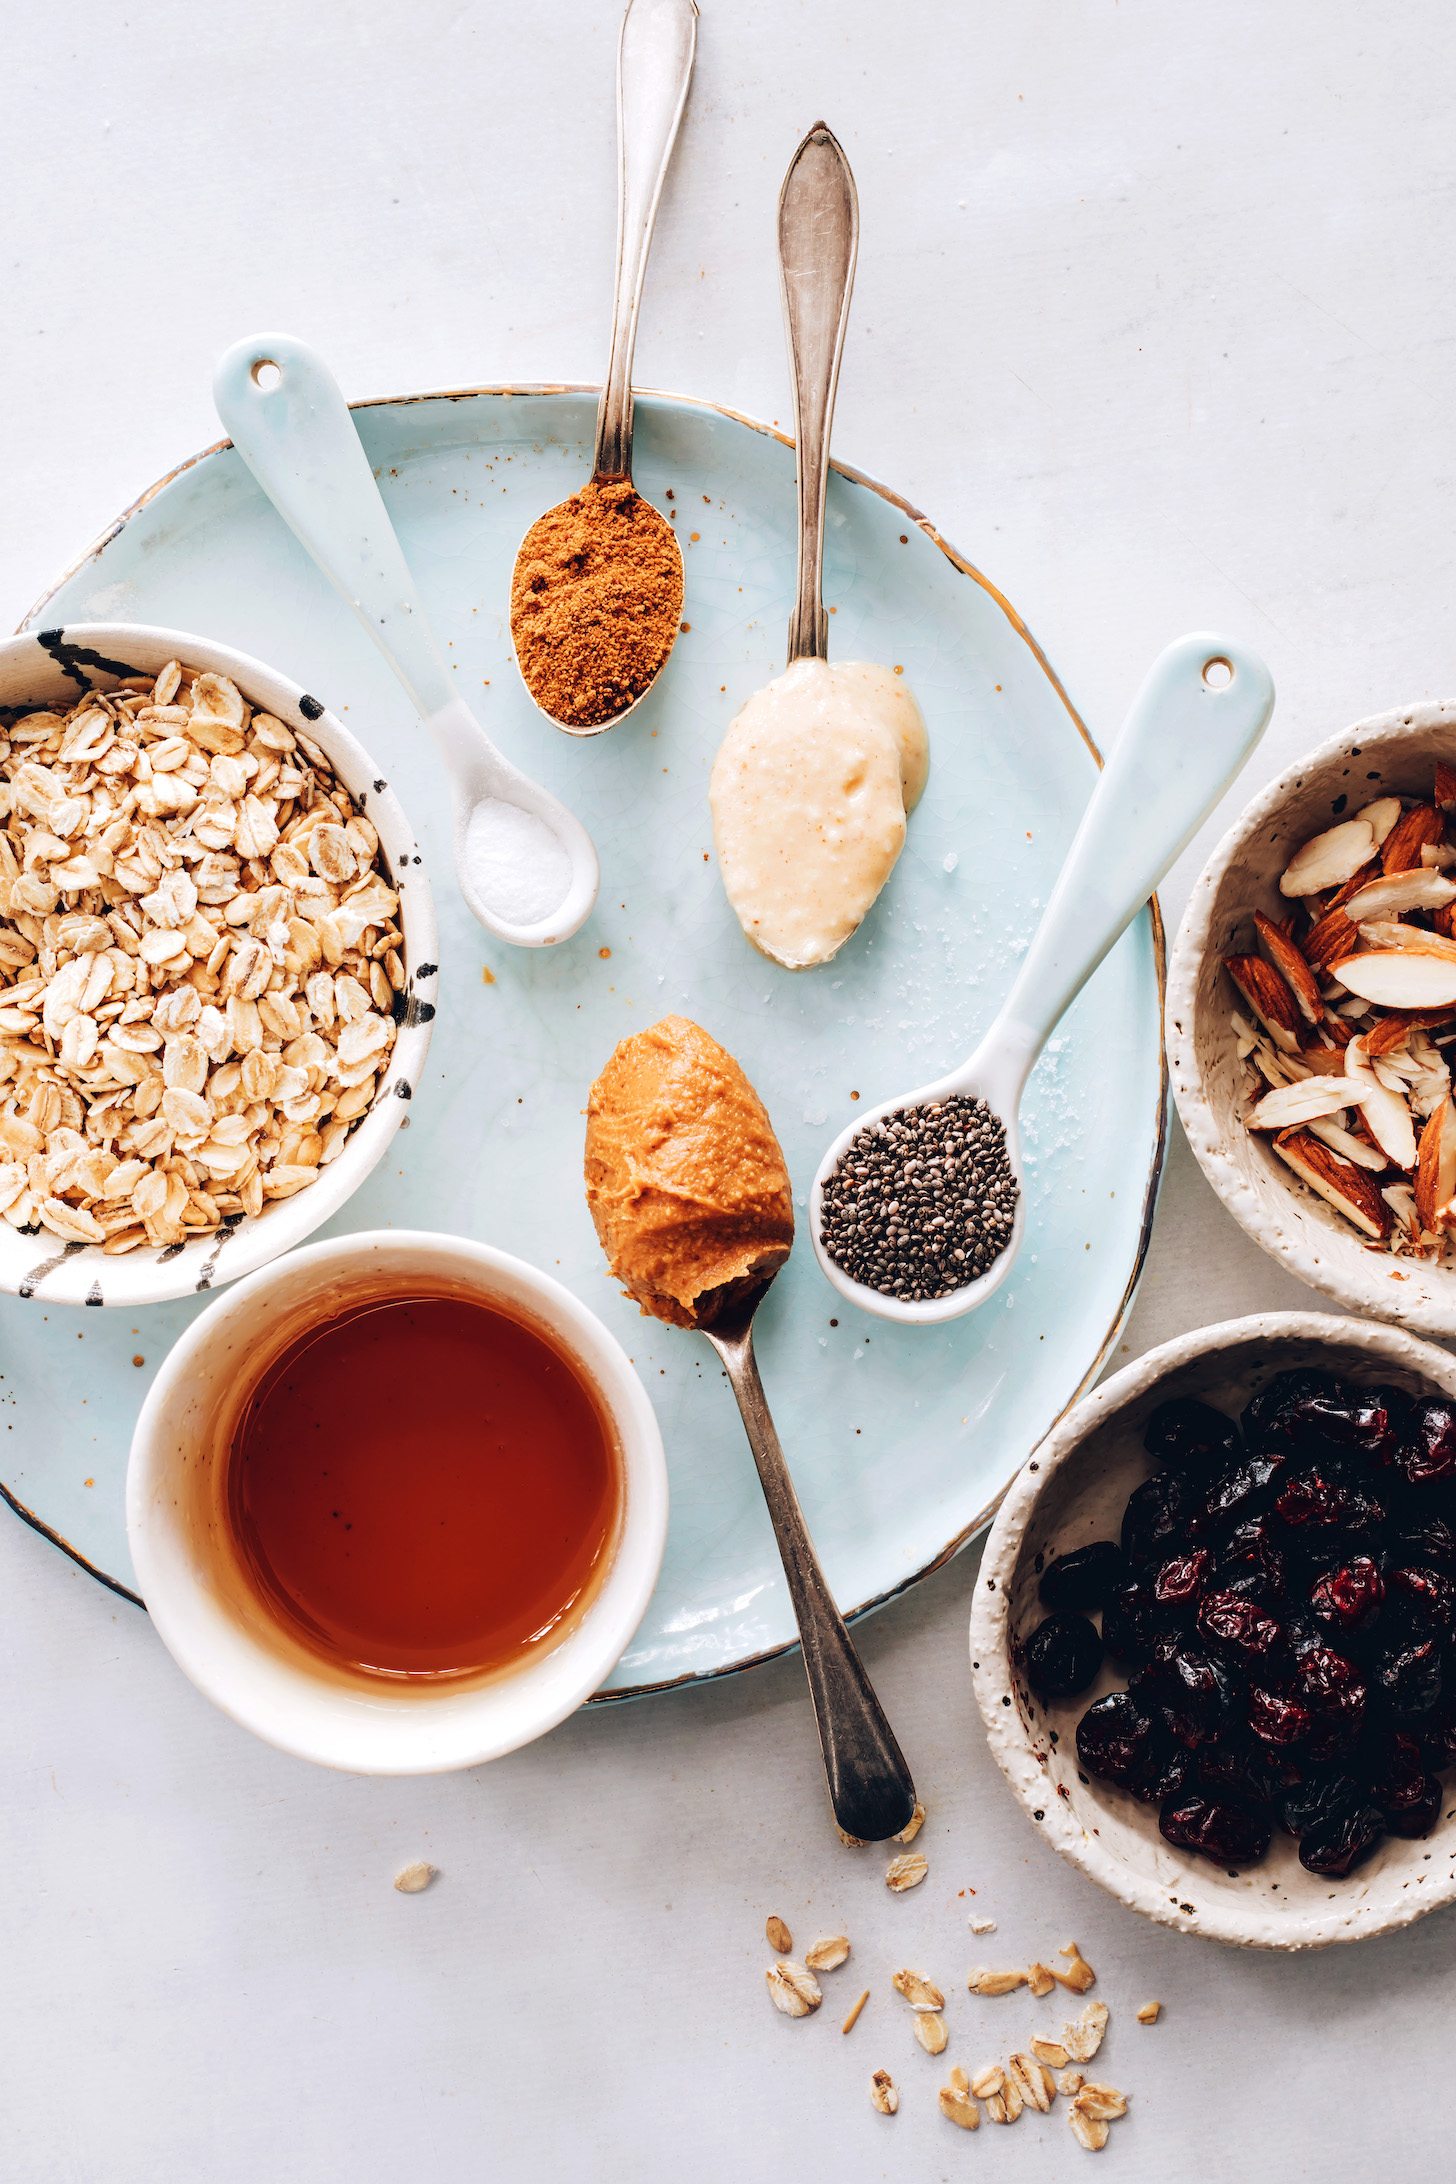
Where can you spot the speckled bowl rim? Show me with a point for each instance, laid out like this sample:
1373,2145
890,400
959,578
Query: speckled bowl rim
1006,1732
1344,1279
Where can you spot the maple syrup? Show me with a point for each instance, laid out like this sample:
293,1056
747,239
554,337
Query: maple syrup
423,1486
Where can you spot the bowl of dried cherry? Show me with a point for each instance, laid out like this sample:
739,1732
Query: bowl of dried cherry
1214,1632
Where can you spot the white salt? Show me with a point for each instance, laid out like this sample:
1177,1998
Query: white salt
514,862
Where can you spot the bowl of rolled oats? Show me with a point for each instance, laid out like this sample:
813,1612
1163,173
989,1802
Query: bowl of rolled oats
217,964
1311,1018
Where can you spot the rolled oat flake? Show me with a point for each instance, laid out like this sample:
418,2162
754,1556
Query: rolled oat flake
922,1202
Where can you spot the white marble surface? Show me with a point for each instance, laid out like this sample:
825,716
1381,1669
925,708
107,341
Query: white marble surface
1154,318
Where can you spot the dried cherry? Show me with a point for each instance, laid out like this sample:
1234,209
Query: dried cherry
1348,1598
1085,1576
1227,1832
1417,1818
1427,1450
1323,1498
1253,1562
1366,1420
1131,1623
1272,1413
1156,1517
1062,1655
1197,1696
1277,1719
1184,1579
1321,1797
1428,1594
1406,1675
1335,1692
1337,1845
1116,1738
1241,1631
1237,1493
1424,1539
1190,1436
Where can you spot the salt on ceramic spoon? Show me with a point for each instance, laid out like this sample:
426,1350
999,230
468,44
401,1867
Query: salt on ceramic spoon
811,787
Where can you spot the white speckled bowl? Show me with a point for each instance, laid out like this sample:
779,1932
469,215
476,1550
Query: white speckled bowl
59,665
1389,752
1073,1490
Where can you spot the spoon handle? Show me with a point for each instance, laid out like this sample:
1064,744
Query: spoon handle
818,244
869,1783
1184,740
654,65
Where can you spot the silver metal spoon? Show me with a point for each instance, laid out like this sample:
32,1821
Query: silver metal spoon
818,245
869,1783
654,67
526,865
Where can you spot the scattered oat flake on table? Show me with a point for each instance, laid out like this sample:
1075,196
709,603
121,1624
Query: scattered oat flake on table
883,2094
793,1988
956,2104
850,1842
982,1980
930,2032
1102,2101
412,1878
1033,2082
919,1992
1083,2038
1050,2051
1040,1980
853,2018
906,1871
1079,1975
913,1825
1005,2105
1088,2131
828,1953
982,1926
988,2080
1070,2081
779,1936
1148,2014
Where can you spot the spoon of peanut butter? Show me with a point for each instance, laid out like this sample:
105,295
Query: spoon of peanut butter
691,1199
597,590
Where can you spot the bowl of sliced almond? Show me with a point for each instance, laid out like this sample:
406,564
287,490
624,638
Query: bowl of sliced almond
216,976
1311,1018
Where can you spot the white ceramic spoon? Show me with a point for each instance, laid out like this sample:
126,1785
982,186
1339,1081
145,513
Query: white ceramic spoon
1199,714
526,865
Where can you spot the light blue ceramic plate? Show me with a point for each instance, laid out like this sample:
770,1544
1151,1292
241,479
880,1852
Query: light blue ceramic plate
901,1441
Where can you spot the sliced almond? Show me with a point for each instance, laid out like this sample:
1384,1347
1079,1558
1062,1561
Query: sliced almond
1353,885
1333,936
1438,856
1399,978
1033,2082
1083,2037
1292,967
1444,797
1268,997
1416,889
1412,830
916,1820
1330,859
1050,2052
1391,1032
883,2094
906,1871
1387,933
779,1936
1293,1104
982,1980
930,2032
828,1953
793,1988
956,2104
1079,1975
1349,1147
920,1993
1342,1185
1436,1165
1385,1110
1380,816
1040,1980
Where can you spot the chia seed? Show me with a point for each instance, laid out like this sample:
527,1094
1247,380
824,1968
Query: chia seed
922,1202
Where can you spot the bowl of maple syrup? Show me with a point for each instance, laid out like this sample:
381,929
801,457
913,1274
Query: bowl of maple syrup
397,1503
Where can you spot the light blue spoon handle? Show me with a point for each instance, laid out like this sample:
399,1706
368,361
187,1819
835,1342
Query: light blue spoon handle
1182,744
298,439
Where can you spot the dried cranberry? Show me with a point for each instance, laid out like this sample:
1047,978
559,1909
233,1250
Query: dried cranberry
1271,1415
1428,1593
1198,1697
1085,1576
1219,1829
1430,1540
1168,1772
1241,1769
1323,1498
1366,1420
1116,1738
1156,1516
1253,1563
1238,1493
1428,1441
1348,1598
1131,1623
1321,1797
1182,1581
1240,1630
1062,1655
1417,1818
1335,1693
1406,1674
1190,1436
1278,1720
1337,1845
